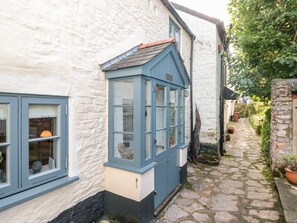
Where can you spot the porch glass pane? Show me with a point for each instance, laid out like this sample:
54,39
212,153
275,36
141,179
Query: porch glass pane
43,156
181,134
123,119
173,136
161,139
123,146
182,97
148,119
181,116
173,98
123,92
160,95
160,118
173,116
148,93
147,145
3,123
3,165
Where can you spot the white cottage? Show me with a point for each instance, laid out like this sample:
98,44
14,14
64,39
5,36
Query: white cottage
213,99
72,132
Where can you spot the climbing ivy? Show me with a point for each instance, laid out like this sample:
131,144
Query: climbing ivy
264,36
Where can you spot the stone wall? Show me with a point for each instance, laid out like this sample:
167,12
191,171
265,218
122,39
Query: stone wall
281,138
55,48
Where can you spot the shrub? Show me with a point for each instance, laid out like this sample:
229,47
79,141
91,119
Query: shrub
290,161
265,136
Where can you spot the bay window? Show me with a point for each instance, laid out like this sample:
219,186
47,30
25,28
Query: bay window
137,143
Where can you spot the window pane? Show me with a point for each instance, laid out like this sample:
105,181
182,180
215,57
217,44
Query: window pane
181,134
171,34
173,136
160,144
176,35
123,146
147,119
123,92
42,121
160,118
181,116
147,145
160,95
148,92
3,165
182,97
173,98
123,119
3,122
43,156
173,116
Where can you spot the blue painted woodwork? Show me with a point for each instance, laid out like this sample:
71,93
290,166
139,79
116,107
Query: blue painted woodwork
160,63
60,171
11,146
20,187
165,69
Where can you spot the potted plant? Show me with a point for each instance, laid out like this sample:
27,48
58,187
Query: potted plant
290,163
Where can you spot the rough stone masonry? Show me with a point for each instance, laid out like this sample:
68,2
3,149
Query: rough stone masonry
282,119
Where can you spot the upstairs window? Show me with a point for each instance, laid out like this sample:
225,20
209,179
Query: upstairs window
174,32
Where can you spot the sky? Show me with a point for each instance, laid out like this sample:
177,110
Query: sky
213,8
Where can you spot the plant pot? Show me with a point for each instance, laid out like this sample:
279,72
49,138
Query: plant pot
230,130
291,176
236,116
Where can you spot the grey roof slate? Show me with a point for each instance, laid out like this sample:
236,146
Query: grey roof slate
139,57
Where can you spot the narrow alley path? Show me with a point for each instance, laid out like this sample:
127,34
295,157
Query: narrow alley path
234,191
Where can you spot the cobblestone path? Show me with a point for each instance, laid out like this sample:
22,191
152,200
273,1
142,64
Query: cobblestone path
234,191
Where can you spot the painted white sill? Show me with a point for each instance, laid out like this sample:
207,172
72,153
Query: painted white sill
24,196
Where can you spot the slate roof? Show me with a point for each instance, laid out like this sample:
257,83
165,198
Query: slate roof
138,55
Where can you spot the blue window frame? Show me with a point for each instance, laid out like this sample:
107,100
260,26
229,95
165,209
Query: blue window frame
33,142
8,145
174,32
134,143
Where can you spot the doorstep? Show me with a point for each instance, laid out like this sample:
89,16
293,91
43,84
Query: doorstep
288,197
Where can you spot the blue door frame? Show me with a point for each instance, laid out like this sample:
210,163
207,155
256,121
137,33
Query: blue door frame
166,169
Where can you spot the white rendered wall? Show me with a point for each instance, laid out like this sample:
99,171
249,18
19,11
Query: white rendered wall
128,184
206,76
55,48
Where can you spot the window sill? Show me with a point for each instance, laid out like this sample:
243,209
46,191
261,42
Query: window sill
183,146
24,196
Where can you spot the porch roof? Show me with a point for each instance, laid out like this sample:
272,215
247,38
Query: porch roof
142,58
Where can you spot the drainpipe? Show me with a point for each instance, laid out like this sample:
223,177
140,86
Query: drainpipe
191,87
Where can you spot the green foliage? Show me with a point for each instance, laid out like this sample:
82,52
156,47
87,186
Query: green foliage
245,110
264,36
253,108
265,136
290,161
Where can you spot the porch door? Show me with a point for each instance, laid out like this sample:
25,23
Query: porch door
166,170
